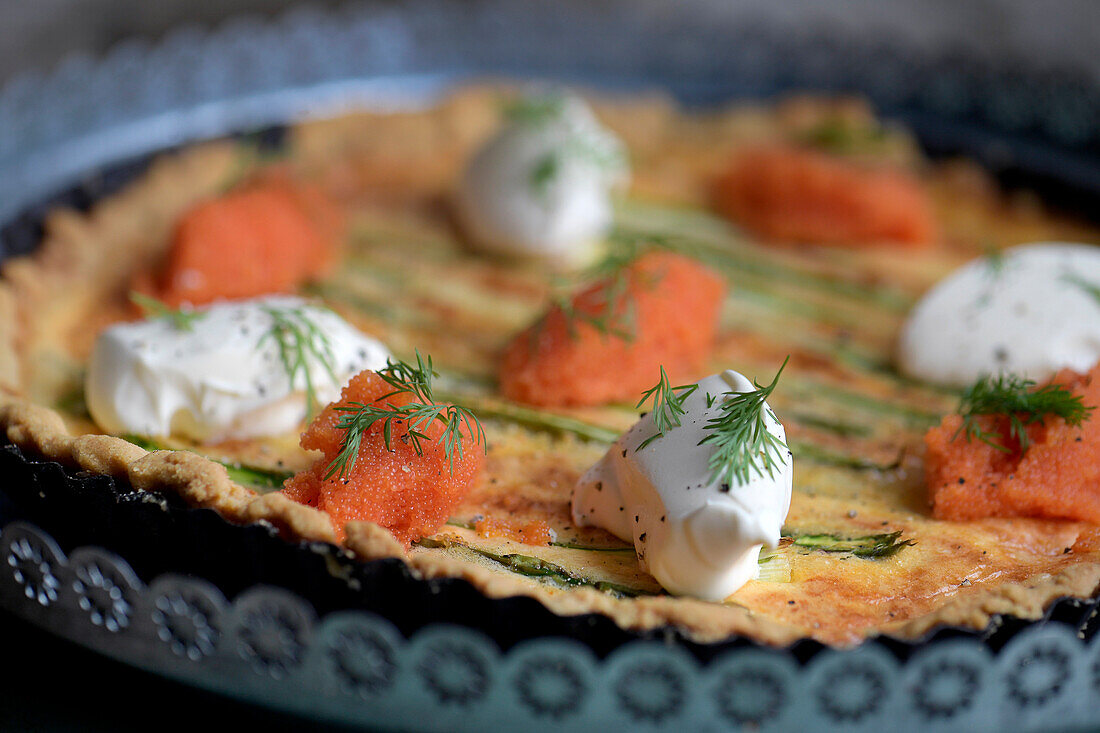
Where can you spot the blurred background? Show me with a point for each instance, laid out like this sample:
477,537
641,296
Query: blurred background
38,33
87,82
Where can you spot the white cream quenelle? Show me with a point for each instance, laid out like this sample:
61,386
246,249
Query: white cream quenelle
541,188
1030,311
223,376
695,534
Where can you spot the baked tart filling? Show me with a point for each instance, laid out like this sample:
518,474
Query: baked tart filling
507,342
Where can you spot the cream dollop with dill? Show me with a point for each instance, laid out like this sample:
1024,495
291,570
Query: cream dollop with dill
238,369
699,484
1028,311
541,187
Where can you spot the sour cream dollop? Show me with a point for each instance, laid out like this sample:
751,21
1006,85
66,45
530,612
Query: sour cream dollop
696,535
1030,311
541,188
223,377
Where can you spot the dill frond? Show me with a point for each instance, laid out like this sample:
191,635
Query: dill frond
544,171
534,109
300,342
995,261
590,147
1089,288
842,136
668,405
614,313
422,409
182,319
739,433
1015,398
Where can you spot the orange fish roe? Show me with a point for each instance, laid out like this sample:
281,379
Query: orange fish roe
1057,477
535,532
795,194
268,237
1088,540
411,495
670,308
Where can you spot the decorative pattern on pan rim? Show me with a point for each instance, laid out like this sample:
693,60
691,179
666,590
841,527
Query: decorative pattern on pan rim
267,645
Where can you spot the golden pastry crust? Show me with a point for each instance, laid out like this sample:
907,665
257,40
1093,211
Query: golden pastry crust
200,482
1027,600
203,483
47,299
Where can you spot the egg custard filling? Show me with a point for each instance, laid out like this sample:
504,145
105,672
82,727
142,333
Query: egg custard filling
746,238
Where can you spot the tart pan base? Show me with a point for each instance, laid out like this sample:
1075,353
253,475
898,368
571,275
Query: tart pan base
301,628
182,593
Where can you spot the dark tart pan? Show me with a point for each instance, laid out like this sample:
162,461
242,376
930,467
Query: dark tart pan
302,627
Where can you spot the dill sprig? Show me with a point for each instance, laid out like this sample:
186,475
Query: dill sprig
301,342
995,261
994,265
537,110
668,405
421,410
545,171
578,147
1015,398
1089,288
612,313
534,109
182,319
742,442
839,135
